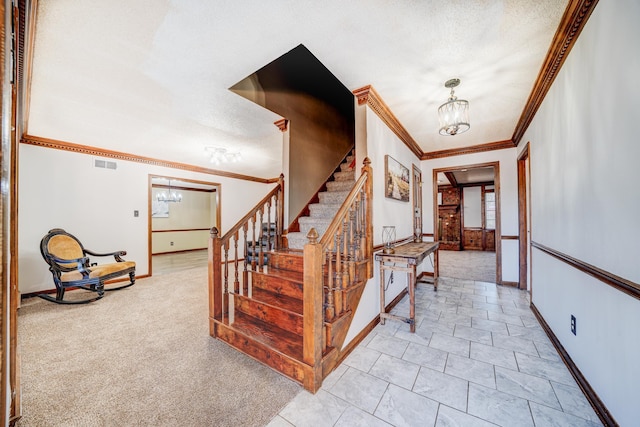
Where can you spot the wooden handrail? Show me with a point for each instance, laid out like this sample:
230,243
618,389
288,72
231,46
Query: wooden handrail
220,266
278,190
331,270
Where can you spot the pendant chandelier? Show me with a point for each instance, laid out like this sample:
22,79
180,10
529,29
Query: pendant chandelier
453,114
173,196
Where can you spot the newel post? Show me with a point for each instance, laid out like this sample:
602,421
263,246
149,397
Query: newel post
215,279
280,213
368,249
313,312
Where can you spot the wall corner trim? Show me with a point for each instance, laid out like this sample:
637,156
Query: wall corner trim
96,151
573,21
367,95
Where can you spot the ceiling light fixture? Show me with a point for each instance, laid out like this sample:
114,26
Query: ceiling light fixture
221,155
453,114
171,197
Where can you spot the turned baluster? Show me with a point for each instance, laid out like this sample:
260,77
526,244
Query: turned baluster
236,282
245,274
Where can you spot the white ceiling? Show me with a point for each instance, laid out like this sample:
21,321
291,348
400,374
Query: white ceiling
151,77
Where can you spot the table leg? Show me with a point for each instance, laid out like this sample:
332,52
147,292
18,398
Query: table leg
382,309
436,270
412,299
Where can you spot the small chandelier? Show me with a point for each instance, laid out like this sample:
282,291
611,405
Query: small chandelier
221,155
171,197
453,114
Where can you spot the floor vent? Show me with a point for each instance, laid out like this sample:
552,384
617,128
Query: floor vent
105,164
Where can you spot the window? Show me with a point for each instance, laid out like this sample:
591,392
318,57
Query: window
490,210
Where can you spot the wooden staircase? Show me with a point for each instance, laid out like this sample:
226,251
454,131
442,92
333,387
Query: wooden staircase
291,312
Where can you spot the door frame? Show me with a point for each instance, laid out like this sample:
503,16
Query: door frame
524,180
496,183
418,223
217,190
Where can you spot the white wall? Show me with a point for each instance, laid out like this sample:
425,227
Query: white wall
386,211
585,201
508,199
62,189
195,211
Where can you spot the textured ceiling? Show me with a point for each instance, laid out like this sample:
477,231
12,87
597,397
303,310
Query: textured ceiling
151,77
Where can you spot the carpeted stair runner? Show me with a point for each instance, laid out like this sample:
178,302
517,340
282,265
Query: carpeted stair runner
321,214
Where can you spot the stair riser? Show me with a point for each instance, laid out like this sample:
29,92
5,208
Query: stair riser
320,227
345,176
262,353
278,285
286,261
318,210
334,197
267,313
340,185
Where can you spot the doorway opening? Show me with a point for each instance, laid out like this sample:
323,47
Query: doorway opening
181,215
467,221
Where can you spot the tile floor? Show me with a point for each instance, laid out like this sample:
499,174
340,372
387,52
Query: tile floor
478,358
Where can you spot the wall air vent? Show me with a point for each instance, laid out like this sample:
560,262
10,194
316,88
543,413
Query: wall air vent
105,164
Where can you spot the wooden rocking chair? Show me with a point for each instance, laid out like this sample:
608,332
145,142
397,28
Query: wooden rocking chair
71,267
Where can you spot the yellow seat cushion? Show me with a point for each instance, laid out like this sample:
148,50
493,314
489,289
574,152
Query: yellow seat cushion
98,271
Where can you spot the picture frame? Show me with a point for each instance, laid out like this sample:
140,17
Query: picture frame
397,179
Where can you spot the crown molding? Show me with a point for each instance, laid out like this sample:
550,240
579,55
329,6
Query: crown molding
573,21
283,124
490,146
95,151
367,95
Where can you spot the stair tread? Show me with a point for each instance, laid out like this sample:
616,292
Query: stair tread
294,276
268,334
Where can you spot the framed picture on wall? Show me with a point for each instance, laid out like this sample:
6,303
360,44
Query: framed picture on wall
396,179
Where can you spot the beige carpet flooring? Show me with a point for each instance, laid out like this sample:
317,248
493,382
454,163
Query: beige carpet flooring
141,356
471,265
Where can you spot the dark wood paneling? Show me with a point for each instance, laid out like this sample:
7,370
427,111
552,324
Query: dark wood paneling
472,239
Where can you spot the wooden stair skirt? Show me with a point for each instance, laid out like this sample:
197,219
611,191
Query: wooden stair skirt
267,324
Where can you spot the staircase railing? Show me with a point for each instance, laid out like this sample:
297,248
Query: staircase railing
331,269
242,249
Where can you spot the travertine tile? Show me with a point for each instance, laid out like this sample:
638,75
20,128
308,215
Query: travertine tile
498,407
395,371
426,356
449,417
359,389
449,344
442,388
471,370
354,417
494,355
320,409
400,407
527,386
545,416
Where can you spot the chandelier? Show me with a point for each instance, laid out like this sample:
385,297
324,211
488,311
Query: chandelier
171,197
221,155
453,114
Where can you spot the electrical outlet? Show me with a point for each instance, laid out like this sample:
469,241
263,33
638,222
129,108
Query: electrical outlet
573,324
171,243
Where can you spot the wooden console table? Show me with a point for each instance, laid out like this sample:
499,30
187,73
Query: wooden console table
406,258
